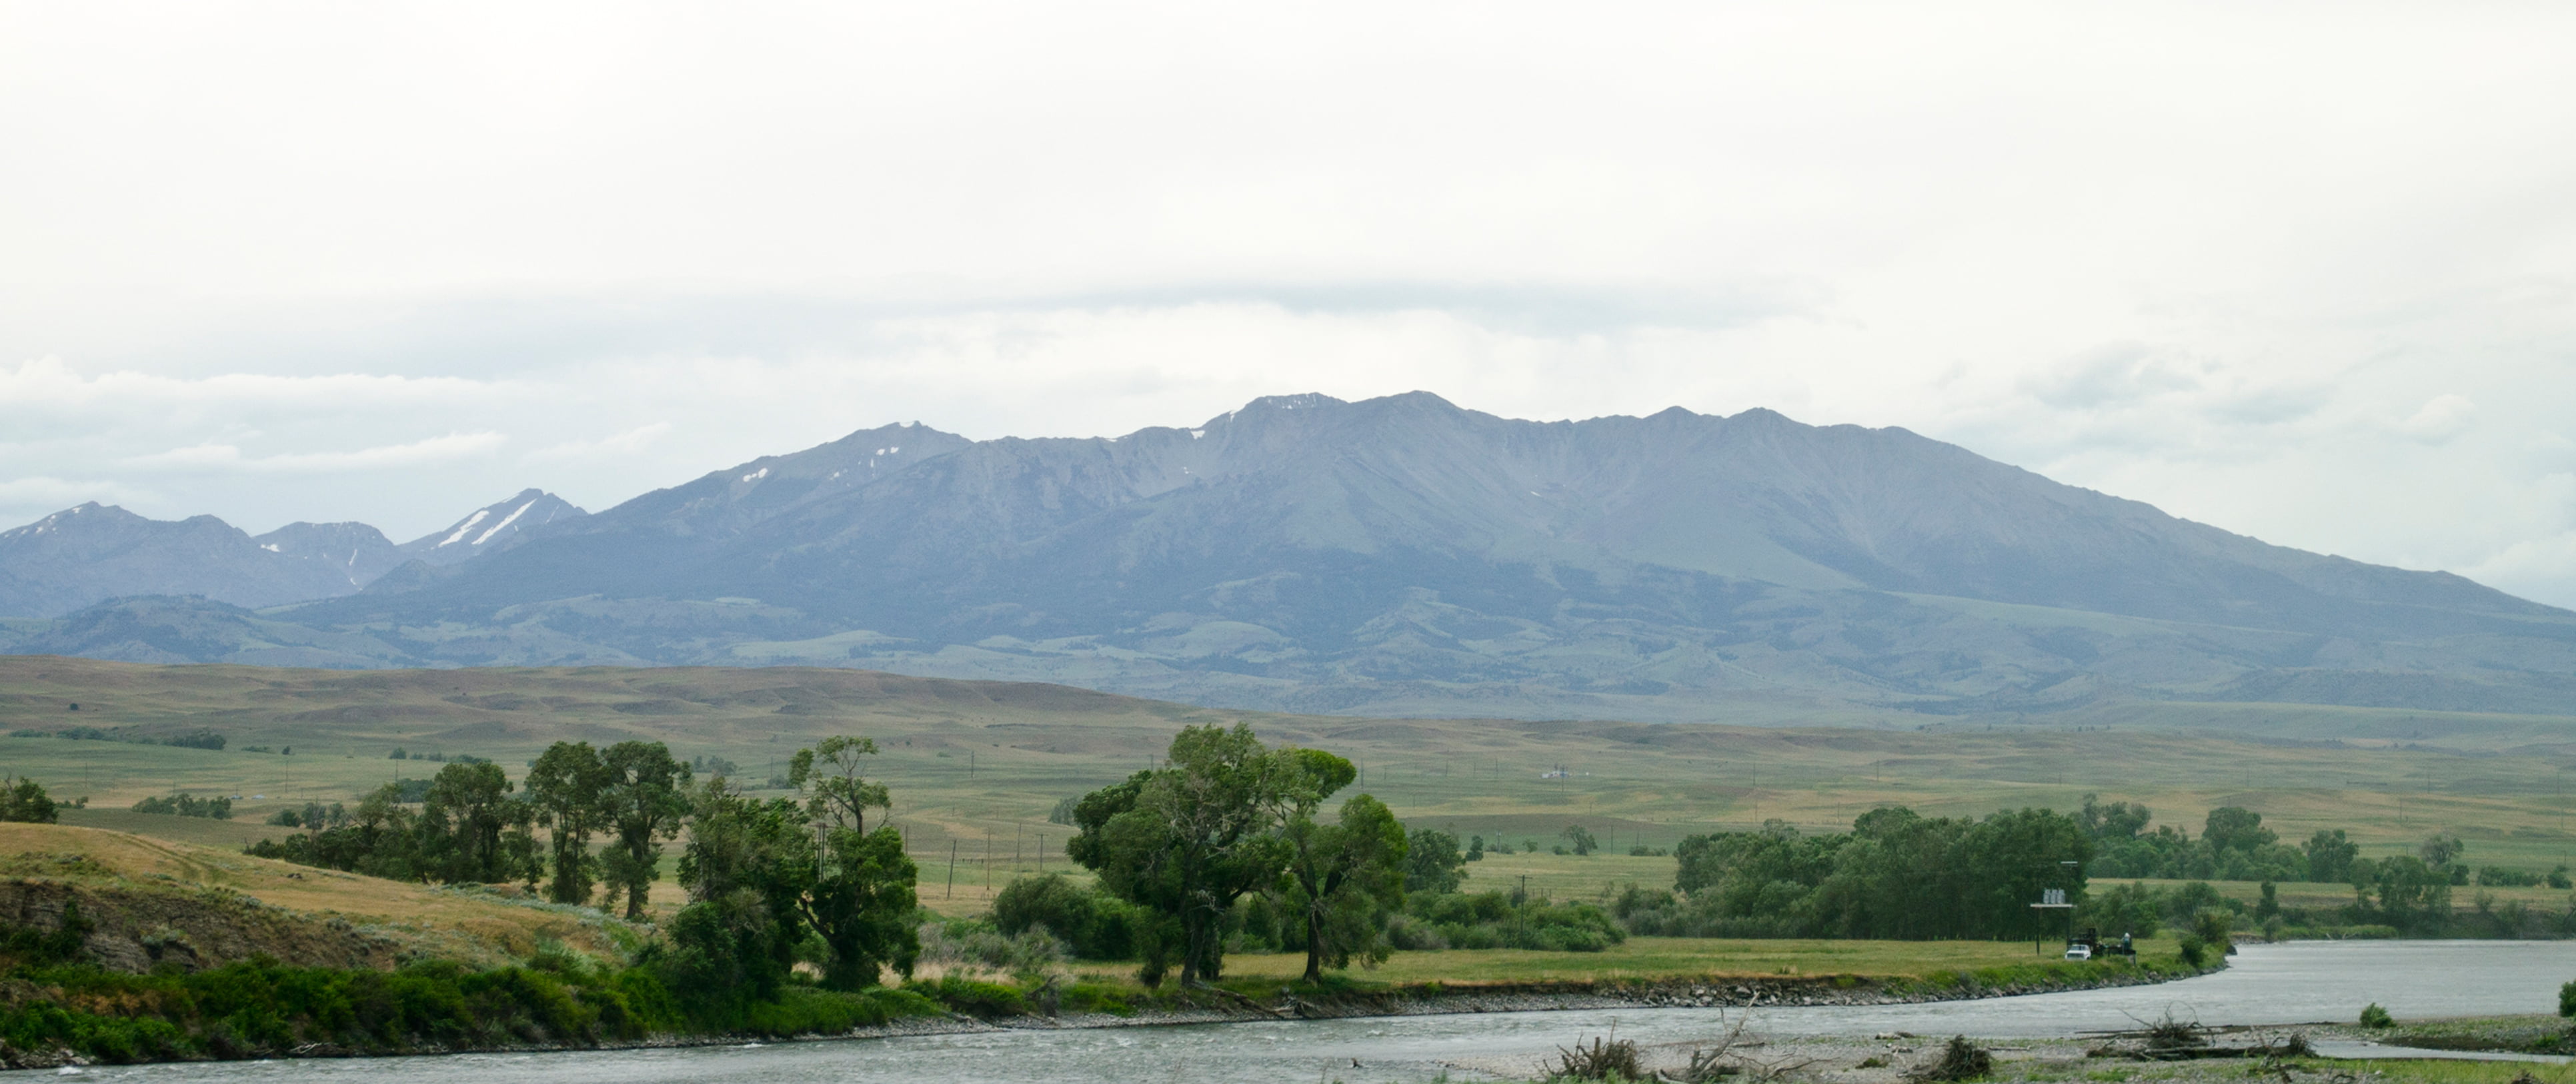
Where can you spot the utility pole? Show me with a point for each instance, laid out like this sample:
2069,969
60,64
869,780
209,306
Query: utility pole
952,868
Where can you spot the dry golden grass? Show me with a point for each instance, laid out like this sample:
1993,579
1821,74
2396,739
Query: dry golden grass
471,924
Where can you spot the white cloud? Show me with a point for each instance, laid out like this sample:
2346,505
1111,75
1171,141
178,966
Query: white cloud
2440,419
2539,568
631,442
57,493
226,457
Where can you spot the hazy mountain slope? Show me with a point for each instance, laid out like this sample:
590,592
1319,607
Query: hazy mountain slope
81,556
175,630
360,552
1311,554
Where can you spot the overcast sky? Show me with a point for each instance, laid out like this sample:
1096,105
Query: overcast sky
2307,272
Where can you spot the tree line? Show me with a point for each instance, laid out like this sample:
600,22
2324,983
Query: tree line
1901,875
470,827
1896,874
2235,846
771,882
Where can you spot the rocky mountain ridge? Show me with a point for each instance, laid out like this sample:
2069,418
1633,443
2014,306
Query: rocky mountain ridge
1405,556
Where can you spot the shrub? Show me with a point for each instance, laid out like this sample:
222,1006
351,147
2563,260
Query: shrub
185,805
27,802
1094,926
1033,953
1492,920
1602,1059
986,1000
2372,1016
1960,1060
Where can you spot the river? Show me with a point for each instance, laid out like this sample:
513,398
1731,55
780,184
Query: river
2300,982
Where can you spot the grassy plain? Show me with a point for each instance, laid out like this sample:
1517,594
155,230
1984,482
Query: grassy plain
975,767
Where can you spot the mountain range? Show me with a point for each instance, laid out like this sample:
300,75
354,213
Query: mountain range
1392,556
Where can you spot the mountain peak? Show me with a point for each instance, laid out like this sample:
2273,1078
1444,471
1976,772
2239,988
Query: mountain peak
493,527
360,552
59,520
1302,401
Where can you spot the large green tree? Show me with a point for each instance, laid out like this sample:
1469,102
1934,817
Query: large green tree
1345,877
2330,855
643,800
1432,862
762,875
471,829
737,937
2236,828
858,896
566,785
1189,839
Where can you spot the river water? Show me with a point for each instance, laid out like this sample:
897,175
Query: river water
2300,982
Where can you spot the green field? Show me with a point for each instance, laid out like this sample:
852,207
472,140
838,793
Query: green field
976,766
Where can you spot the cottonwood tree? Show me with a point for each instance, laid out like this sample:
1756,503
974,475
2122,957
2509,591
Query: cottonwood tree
1579,839
1344,877
836,793
565,784
1188,840
858,896
2330,855
643,800
737,936
858,892
762,874
472,831
2236,828
1432,862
